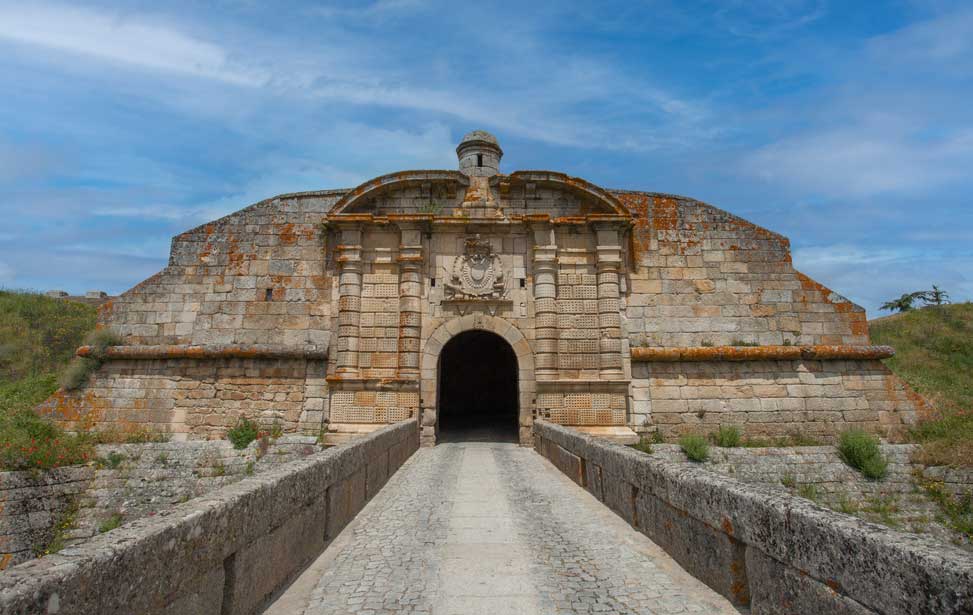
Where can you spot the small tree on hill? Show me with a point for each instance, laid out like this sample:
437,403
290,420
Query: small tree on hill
936,296
902,304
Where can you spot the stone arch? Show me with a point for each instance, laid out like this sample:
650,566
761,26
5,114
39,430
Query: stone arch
430,364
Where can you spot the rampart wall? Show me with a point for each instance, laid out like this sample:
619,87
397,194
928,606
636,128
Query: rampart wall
226,552
761,547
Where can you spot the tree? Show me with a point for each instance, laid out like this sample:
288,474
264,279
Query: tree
903,303
935,296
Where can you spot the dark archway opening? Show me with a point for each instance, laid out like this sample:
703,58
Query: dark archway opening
478,396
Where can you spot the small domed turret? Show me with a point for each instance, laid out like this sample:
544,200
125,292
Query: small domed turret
479,154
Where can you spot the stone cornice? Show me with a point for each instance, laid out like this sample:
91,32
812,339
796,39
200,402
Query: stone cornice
402,178
761,353
208,351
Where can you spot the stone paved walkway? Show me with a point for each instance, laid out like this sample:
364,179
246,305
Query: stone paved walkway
491,528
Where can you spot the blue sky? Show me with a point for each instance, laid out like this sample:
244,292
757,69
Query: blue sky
847,126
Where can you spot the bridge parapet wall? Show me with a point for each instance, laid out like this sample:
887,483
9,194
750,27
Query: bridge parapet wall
226,552
759,546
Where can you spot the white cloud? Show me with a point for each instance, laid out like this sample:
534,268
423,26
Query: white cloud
861,161
872,276
134,41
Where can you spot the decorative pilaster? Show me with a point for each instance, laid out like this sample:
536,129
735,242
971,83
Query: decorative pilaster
349,301
410,303
545,302
609,318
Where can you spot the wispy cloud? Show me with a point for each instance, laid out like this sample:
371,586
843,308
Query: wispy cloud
116,37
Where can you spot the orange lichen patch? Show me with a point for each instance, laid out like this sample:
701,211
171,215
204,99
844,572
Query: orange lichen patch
308,233
761,353
278,293
287,235
73,408
665,214
105,310
859,323
5,560
216,351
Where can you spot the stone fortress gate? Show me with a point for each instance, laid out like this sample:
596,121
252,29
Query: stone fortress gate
471,298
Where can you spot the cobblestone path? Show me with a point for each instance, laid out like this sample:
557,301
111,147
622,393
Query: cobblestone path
491,528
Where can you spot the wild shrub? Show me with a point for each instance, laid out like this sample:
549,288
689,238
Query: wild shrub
860,450
243,433
695,447
727,436
81,368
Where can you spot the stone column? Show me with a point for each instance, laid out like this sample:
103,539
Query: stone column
609,317
410,302
545,302
349,300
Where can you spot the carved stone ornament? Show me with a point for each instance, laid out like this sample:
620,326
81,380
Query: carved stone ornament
477,273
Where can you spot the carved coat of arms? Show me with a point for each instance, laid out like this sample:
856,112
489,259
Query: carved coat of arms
477,273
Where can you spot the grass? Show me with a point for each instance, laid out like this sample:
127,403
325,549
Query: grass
243,433
80,369
38,334
695,447
809,492
934,355
111,523
643,445
860,450
38,337
727,436
957,511
882,509
65,523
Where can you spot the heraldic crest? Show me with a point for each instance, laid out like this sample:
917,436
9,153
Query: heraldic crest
477,273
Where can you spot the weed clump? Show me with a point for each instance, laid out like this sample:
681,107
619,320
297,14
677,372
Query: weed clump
860,450
111,523
243,433
728,436
695,447
643,445
81,368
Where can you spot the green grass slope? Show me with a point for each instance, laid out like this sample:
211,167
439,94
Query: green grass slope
38,337
934,355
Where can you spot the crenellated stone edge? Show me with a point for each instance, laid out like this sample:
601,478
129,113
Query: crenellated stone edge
761,546
761,353
228,551
212,351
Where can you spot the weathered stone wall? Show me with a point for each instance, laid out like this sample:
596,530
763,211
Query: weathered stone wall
227,551
148,478
761,547
257,276
197,398
707,277
31,505
818,473
773,398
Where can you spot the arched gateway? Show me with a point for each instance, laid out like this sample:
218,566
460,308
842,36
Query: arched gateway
477,381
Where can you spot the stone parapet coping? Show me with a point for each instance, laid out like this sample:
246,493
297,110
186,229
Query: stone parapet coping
760,546
761,353
229,551
208,351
